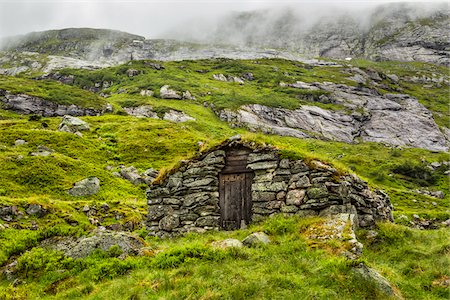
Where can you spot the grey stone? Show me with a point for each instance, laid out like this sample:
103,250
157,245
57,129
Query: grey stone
25,104
169,222
302,182
200,182
256,239
35,210
207,221
73,124
132,175
264,165
147,93
166,93
374,277
143,111
263,196
316,193
156,212
289,209
227,243
219,77
42,151
257,157
20,142
306,213
177,116
103,240
269,187
295,197
85,187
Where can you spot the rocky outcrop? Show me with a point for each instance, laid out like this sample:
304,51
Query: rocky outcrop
25,104
147,111
229,78
187,200
393,119
102,240
135,177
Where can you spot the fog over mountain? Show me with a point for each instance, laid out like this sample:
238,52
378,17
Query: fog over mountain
174,18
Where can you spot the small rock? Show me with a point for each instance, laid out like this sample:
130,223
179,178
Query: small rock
20,142
220,77
187,95
236,137
435,164
35,210
228,243
42,151
403,217
393,77
154,66
177,116
166,93
132,72
248,76
147,93
105,207
85,208
255,239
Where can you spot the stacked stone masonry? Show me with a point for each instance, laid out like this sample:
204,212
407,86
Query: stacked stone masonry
188,200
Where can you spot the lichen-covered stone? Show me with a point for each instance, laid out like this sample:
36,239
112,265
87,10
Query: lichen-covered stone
263,196
295,197
256,239
85,187
208,221
169,222
316,193
269,187
289,209
264,165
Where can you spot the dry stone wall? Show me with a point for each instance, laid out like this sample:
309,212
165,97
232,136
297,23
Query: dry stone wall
188,200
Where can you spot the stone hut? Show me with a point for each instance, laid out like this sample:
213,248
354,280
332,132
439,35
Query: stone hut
238,183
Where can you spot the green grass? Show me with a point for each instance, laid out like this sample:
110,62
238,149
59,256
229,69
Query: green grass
288,268
188,267
184,76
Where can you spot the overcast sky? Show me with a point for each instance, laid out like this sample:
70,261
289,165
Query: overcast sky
151,19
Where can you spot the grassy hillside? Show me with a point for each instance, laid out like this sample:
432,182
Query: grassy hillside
414,261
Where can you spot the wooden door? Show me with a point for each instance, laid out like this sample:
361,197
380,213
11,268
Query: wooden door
235,199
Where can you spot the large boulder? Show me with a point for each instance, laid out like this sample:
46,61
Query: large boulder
376,278
256,239
84,246
73,125
85,187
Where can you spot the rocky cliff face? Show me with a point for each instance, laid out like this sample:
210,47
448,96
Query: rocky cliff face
392,119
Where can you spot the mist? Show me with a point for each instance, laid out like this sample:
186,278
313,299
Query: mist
220,21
